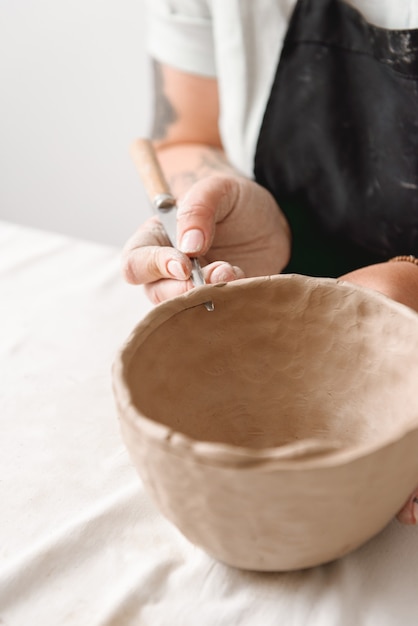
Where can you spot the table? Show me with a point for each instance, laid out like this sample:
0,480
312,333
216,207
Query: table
81,544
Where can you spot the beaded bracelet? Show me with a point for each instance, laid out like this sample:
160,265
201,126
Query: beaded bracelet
405,257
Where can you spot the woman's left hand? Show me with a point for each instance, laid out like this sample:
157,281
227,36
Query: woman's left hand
397,280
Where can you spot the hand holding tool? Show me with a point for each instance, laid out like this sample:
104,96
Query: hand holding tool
162,200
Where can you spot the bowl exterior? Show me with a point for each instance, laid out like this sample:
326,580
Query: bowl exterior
272,513
273,518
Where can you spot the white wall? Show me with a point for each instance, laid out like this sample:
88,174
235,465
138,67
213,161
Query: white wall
74,93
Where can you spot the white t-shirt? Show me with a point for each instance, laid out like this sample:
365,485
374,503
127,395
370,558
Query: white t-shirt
239,42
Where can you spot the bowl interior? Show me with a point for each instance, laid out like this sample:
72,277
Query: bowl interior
278,361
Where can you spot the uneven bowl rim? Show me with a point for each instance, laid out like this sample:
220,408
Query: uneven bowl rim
227,455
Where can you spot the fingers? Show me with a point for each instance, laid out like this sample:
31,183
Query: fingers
147,257
206,203
221,272
165,289
218,272
147,264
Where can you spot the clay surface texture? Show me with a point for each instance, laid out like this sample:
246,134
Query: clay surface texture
280,430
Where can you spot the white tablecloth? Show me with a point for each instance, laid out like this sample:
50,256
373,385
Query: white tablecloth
80,542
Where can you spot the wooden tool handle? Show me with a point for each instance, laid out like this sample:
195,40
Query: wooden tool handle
149,169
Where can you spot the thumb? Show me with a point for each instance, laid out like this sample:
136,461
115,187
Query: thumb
207,202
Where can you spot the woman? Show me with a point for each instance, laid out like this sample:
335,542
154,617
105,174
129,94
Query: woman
289,132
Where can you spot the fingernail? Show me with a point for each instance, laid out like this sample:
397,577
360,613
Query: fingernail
238,272
176,270
192,241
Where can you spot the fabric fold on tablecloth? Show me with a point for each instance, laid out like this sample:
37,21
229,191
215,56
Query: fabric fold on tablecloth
81,544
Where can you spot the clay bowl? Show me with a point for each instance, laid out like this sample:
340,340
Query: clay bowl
279,431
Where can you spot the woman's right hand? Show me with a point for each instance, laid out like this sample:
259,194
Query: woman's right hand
232,224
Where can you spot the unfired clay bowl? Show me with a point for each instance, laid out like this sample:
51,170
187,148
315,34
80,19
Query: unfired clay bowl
279,431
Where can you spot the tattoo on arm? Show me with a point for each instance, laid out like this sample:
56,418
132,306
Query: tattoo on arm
212,161
164,113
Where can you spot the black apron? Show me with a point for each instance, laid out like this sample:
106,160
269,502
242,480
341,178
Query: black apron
338,146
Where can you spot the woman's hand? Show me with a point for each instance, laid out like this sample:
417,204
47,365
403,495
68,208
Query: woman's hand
398,280
232,224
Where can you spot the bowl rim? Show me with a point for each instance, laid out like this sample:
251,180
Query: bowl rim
302,455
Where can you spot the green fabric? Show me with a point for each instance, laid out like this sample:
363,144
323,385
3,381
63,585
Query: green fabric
315,253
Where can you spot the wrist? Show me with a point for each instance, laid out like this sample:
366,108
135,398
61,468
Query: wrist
185,164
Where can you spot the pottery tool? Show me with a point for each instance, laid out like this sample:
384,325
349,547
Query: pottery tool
162,200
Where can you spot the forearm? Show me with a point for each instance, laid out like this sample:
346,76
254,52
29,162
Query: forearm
185,130
186,163
224,216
